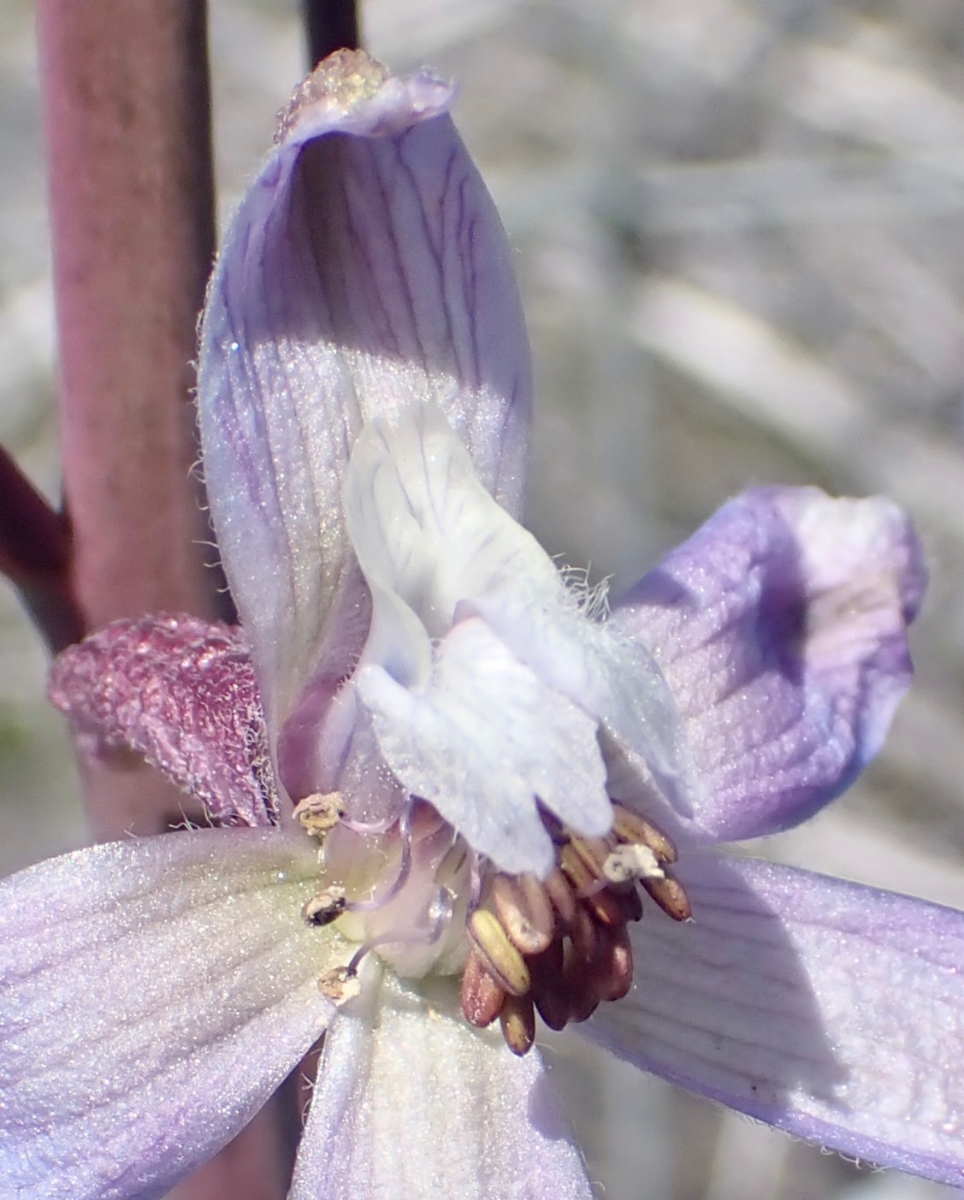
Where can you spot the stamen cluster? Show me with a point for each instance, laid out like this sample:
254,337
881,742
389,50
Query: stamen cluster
560,947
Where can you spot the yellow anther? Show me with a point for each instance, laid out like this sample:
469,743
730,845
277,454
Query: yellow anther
524,910
518,1019
629,826
505,963
319,813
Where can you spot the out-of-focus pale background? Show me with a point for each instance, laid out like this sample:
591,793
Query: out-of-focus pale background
739,230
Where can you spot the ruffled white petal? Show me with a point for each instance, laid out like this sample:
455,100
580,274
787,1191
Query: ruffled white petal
615,679
412,1104
436,549
831,1010
424,527
153,994
484,741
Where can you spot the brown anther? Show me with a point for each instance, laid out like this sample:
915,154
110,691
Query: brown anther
670,896
592,851
549,989
604,907
518,1020
482,997
503,960
523,908
613,968
580,986
590,888
561,895
584,934
324,906
629,826
319,813
575,868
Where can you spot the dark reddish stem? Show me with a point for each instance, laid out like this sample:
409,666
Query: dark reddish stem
35,556
330,25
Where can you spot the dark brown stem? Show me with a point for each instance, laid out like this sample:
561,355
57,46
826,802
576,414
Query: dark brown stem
35,556
330,25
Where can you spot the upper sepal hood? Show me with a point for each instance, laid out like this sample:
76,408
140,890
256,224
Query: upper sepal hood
366,268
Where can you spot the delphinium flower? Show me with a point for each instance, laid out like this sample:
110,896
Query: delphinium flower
452,791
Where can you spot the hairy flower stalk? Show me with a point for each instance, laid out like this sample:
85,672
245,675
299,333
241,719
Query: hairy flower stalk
445,784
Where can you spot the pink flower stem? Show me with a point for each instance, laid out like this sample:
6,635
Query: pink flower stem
126,100
128,132
131,196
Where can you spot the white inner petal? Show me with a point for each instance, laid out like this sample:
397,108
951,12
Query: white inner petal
425,528
487,739
504,710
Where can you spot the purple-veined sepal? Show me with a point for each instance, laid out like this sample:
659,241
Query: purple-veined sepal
822,1007
781,629
153,994
365,270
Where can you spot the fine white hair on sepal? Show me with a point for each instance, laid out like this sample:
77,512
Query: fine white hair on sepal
591,599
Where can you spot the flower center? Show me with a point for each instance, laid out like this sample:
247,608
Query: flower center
413,892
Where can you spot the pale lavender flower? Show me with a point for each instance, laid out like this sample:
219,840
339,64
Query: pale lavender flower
455,720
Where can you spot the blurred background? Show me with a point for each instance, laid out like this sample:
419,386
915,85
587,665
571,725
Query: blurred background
739,233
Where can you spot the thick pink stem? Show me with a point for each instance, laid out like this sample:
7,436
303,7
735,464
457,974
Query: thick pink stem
128,131
127,119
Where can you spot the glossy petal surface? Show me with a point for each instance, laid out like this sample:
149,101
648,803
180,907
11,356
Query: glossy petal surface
154,994
781,628
412,1104
831,1010
366,269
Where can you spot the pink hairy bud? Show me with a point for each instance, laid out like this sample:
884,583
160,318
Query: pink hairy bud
182,693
